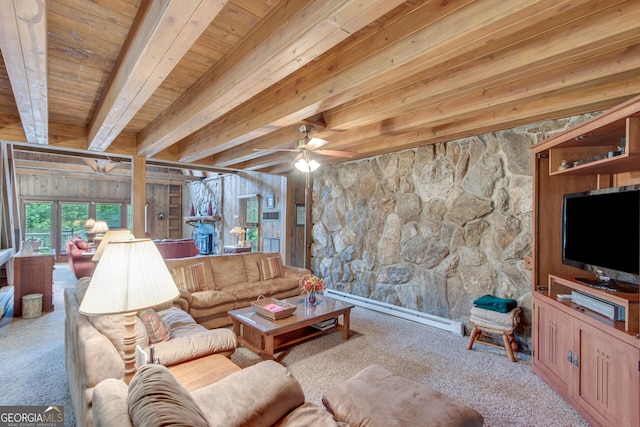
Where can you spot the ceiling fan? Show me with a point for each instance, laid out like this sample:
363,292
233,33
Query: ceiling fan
305,146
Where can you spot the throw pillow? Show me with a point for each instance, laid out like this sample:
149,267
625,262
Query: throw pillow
156,398
270,268
157,329
190,277
81,244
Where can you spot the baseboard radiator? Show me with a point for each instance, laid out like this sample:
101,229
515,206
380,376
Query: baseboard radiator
394,310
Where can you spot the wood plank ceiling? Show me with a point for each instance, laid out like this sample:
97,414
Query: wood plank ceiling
206,82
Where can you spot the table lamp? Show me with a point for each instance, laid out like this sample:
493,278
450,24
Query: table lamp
111,236
239,232
131,276
99,228
89,224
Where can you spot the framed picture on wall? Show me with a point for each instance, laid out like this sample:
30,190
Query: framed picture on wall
300,215
271,202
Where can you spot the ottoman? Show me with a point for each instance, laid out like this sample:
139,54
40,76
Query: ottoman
488,323
376,397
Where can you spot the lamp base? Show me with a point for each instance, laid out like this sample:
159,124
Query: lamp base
129,345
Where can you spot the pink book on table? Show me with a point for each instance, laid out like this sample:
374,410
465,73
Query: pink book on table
274,308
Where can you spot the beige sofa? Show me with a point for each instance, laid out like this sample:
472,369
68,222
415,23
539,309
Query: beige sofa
93,346
266,394
231,281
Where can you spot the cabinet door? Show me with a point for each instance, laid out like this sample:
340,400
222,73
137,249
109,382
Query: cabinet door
608,384
553,342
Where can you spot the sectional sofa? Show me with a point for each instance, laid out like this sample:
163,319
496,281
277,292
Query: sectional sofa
94,347
212,285
266,394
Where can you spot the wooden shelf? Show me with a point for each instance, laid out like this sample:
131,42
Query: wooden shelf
559,285
590,359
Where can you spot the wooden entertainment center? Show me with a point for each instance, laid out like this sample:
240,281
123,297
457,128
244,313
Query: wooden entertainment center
589,359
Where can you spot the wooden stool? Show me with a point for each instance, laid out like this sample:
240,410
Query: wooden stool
492,325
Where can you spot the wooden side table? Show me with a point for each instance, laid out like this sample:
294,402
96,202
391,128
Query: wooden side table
32,274
201,372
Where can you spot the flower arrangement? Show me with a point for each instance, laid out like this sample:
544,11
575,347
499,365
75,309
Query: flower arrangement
311,283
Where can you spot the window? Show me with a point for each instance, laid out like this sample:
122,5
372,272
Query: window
72,219
249,217
38,223
249,211
110,213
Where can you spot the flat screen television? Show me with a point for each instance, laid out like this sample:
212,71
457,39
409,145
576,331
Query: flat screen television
601,234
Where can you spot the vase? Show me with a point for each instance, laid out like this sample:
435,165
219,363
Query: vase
311,298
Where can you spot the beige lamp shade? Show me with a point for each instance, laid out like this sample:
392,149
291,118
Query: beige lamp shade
111,236
100,227
130,276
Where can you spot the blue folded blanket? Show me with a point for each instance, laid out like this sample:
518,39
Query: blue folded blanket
502,305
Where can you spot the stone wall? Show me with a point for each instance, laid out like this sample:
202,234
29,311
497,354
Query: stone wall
433,228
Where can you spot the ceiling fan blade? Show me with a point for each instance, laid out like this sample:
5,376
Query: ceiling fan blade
335,153
315,143
276,149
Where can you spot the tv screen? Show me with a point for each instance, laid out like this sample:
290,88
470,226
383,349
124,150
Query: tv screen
601,231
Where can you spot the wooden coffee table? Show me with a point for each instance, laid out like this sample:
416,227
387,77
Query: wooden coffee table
200,372
266,337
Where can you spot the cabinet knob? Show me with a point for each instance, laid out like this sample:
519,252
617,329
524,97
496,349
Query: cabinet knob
570,357
575,360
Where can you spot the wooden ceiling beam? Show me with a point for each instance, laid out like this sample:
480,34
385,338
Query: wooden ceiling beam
568,45
157,41
23,40
612,65
284,137
523,111
292,36
409,42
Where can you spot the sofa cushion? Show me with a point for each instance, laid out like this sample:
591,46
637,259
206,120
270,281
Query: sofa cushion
256,396
228,270
207,299
180,322
309,414
270,268
190,277
249,291
81,288
156,398
157,329
110,403
187,346
112,326
251,260
357,402
280,285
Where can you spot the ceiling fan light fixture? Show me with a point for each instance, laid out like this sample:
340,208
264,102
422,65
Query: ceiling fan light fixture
306,165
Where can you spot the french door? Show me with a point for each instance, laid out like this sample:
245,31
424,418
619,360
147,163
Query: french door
55,222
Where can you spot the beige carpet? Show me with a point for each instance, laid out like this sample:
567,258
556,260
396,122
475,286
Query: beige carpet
505,393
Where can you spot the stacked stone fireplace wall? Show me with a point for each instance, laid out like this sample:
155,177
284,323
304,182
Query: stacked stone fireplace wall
433,228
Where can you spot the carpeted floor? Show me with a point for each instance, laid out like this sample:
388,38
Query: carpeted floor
505,393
